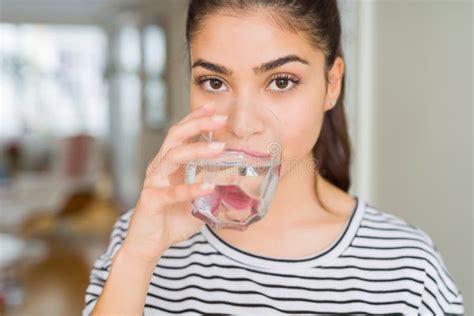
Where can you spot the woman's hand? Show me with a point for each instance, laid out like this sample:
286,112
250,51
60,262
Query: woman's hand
162,216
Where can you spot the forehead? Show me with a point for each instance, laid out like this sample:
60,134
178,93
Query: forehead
248,39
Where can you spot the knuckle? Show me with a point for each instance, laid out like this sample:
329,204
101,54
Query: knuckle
205,123
147,192
169,158
173,129
150,197
155,166
155,181
150,167
173,192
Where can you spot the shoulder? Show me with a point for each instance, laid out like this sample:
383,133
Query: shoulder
383,224
121,225
122,222
101,268
117,236
383,235
390,233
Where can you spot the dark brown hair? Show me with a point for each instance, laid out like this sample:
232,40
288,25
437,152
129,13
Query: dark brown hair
320,20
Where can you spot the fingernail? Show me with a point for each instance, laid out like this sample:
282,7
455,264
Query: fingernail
207,186
219,118
216,145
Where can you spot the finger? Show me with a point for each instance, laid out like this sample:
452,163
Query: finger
179,155
205,110
187,192
180,133
195,126
180,193
183,153
201,111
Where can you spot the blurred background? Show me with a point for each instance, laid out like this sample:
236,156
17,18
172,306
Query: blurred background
89,87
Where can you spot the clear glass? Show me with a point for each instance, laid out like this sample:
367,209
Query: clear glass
246,174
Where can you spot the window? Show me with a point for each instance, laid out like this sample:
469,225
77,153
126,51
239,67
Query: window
154,46
52,81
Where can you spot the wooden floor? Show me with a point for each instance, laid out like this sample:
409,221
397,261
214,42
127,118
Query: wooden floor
55,285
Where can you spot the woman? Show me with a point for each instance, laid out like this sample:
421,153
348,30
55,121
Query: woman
320,249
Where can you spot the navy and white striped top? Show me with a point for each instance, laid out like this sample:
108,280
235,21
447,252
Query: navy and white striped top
379,264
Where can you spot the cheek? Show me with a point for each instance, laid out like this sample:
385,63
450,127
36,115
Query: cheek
196,100
300,134
301,130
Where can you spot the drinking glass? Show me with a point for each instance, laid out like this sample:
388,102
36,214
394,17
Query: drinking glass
246,174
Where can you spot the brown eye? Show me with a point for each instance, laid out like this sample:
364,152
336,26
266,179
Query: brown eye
215,84
212,84
281,83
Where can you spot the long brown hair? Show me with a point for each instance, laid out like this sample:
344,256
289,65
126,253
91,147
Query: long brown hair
320,21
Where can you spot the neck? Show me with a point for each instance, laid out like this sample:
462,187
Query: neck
296,194
295,220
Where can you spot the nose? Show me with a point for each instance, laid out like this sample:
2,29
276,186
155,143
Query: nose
245,119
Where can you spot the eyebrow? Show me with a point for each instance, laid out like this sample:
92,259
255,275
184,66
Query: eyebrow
212,67
259,69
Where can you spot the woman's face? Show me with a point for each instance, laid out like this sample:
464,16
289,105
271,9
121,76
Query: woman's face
234,57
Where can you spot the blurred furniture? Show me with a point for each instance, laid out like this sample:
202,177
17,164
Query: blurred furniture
60,206
75,168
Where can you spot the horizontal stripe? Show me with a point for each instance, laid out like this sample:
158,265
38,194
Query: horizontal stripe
310,290
275,308
289,277
381,231
276,274
393,238
377,220
193,310
191,245
181,311
90,301
391,227
255,273
373,268
393,242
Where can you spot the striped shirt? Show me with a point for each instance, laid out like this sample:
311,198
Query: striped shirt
379,264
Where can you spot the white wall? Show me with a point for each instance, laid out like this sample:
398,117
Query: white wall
422,124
